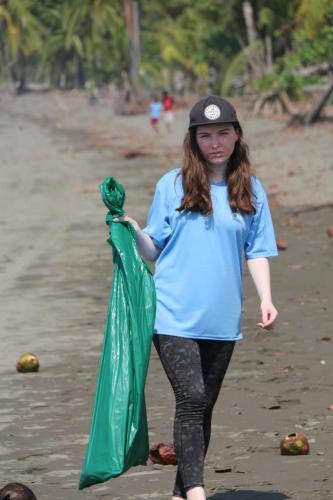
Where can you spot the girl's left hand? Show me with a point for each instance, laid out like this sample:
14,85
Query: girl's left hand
268,315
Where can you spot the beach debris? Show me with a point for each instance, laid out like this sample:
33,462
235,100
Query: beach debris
163,454
296,267
285,401
223,471
135,152
329,231
330,407
16,491
271,435
281,244
294,444
326,339
28,362
322,362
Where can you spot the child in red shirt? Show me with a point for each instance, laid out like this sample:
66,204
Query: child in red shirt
167,102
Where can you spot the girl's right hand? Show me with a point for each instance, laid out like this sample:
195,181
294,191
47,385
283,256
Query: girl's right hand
145,243
125,218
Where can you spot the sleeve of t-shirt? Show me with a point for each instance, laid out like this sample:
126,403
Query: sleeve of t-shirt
260,241
158,226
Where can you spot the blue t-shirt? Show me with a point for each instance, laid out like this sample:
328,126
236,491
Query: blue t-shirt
198,274
155,109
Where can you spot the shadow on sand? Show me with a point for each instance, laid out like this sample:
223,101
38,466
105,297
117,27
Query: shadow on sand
249,495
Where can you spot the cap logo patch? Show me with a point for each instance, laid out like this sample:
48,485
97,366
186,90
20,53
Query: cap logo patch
212,112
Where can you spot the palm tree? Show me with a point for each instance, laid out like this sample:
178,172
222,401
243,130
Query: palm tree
82,37
131,16
311,15
19,38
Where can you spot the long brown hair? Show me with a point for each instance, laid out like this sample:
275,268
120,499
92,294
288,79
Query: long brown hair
195,179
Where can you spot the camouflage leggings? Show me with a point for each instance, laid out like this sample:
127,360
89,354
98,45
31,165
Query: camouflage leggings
195,369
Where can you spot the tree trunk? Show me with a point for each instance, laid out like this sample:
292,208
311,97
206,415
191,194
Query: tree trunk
249,22
79,73
6,62
62,79
22,74
269,54
255,54
98,66
131,14
135,59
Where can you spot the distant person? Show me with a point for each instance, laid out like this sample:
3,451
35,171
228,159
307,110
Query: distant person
94,97
206,218
167,102
16,491
156,108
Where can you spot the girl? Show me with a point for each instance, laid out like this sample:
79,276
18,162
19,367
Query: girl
204,218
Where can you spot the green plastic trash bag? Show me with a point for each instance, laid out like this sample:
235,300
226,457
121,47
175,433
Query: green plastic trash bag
119,432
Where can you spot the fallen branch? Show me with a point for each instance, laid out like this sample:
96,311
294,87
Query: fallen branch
288,104
315,69
313,208
315,112
261,101
278,96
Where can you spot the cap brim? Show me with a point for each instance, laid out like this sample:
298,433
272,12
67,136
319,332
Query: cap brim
212,123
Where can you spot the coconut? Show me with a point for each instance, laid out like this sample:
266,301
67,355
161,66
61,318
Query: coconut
295,444
163,454
16,491
329,231
168,454
282,244
28,362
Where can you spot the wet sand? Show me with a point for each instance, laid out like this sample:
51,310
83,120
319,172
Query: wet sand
55,277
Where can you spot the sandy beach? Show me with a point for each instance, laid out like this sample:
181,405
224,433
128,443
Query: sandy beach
55,277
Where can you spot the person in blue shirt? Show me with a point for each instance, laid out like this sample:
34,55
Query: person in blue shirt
206,217
156,109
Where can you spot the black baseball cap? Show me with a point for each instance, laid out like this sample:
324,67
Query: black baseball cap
212,109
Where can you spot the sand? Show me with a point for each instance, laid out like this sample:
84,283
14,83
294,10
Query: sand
55,277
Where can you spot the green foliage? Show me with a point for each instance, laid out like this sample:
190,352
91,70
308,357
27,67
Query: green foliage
312,15
20,29
238,66
307,50
202,44
284,81
192,38
66,42
86,40
313,41
313,51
